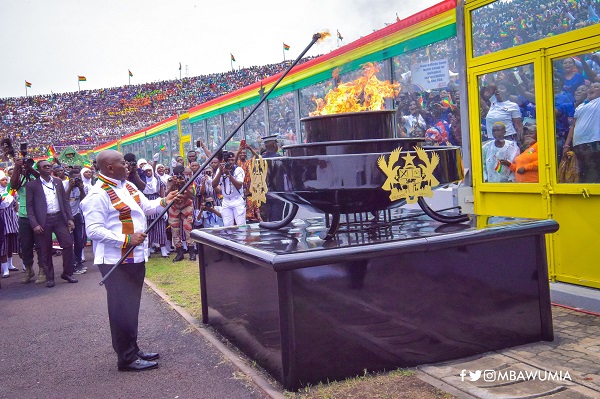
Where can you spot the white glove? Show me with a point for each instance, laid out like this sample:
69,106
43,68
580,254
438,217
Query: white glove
155,157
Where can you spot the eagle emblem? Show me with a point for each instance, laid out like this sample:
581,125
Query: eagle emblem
258,185
411,181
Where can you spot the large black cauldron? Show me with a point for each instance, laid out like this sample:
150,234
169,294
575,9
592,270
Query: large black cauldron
336,172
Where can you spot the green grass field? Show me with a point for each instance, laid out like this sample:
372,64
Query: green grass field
180,281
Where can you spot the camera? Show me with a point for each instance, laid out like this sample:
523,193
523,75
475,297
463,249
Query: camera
77,180
28,161
229,167
208,204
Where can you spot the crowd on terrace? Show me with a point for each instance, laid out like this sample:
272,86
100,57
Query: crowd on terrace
88,118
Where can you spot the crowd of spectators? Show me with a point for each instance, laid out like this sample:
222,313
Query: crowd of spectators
88,118
505,24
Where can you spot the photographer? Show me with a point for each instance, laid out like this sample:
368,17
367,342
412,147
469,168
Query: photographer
22,174
231,178
134,173
181,211
209,214
75,191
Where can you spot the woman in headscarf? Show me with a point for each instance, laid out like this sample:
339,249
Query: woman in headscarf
160,173
155,188
10,220
86,178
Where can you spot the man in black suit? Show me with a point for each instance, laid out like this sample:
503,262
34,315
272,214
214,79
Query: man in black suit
49,212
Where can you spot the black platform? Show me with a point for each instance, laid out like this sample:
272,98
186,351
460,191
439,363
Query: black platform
417,292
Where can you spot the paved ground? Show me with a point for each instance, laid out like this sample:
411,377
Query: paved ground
55,343
575,349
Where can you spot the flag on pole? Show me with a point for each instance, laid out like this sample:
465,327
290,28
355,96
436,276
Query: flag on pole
180,66
51,152
340,35
286,47
81,78
397,17
162,147
232,57
130,74
27,84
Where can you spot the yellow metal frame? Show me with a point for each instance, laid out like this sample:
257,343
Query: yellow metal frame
548,198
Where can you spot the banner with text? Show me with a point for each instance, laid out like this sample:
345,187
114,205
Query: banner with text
430,75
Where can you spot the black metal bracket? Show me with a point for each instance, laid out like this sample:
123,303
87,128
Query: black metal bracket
281,223
438,217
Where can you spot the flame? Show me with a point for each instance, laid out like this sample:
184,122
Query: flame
366,93
323,35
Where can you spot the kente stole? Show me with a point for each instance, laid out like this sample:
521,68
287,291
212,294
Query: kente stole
124,213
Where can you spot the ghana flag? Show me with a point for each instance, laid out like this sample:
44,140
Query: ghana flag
51,151
27,84
286,47
81,78
232,57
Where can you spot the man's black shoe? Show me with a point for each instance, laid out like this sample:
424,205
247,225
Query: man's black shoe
50,284
148,355
179,256
70,279
139,365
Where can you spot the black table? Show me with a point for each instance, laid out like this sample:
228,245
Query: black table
416,292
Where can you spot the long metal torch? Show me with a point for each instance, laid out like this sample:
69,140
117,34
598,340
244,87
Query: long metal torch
315,38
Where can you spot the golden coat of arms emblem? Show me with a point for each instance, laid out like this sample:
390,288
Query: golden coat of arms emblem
258,182
411,181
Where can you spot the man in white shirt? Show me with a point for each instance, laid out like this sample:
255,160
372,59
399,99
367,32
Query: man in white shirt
115,219
231,179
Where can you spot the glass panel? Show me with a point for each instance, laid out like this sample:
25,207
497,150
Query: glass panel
282,118
214,132
185,127
186,148
508,23
166,140
577,117
255,127
149,149
508,119
135,150
232,120
174,144
429,102
199,131
308,96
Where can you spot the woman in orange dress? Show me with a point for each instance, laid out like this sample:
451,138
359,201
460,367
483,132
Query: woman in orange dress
525,165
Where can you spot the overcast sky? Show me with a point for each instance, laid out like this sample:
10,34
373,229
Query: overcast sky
50,42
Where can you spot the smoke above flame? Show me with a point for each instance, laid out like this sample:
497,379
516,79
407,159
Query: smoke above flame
366,93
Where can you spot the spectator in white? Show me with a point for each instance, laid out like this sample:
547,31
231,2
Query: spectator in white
505,111
155,189
413,122
9,218
231,178
86,178
494,151
75,191
585,136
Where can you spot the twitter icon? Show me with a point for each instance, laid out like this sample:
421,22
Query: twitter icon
475,376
